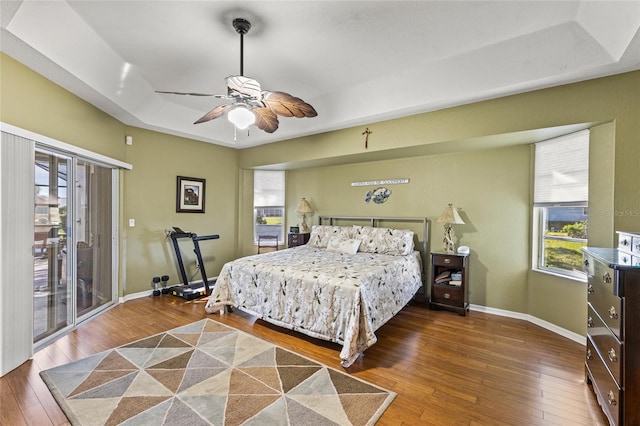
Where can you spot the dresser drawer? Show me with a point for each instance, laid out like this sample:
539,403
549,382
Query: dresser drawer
625,242
629,242
445,260
627,259
606,389
608,346
450,295
601,295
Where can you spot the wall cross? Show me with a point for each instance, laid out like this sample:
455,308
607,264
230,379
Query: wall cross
366,132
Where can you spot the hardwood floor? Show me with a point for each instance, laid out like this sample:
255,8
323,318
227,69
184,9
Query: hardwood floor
480,369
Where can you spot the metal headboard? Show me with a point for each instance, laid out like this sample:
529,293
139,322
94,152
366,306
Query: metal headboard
376,222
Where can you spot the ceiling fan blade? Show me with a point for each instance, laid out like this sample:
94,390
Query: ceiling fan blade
192,94
214,113
244,86
286,105
266,119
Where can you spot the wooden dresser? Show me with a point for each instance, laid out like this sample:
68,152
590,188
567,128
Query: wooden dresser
613,328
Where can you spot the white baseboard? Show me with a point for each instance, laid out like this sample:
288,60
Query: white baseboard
132,296
149,293
578,338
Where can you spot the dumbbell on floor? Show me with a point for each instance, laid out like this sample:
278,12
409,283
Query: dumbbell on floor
155,281
164,279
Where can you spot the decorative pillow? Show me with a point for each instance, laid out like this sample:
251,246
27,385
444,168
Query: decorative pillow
321,234
343,245
397,242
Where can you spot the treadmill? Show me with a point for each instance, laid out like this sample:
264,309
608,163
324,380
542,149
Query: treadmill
196,290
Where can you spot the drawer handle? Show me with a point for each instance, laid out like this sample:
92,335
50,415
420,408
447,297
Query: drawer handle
637,247
590,289
447,260
612,398
589,356
586,262
590,322
624,242
447,296
612,313
607,278
612,355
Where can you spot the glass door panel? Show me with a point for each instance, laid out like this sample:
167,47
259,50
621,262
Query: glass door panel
93,236
52,296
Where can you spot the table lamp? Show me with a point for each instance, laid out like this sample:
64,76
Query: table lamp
450,217
304,209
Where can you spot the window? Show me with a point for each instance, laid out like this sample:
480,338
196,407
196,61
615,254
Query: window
561,194
268,204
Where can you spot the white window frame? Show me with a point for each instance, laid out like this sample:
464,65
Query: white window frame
554,195
274,200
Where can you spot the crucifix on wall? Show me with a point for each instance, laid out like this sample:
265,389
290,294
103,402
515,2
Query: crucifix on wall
366,132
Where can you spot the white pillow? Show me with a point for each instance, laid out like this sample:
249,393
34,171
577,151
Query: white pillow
343,245
321,234
397,242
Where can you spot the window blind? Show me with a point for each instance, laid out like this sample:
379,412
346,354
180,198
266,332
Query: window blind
562,171
268,188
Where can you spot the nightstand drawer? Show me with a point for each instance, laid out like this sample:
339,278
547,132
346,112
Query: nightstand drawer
297,239
448,294
446,260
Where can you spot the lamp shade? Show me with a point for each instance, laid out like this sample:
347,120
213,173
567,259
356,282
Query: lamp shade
450,215
241,117
304,207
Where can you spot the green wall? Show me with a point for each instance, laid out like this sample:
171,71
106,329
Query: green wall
478,157
148,191
489,187
150,199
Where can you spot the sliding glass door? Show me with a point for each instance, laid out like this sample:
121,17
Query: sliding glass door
73,243
93,237
52,305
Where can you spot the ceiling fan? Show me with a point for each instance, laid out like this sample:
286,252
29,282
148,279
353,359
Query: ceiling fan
250,104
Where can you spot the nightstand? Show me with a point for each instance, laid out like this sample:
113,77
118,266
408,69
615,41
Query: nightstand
450,282
298,239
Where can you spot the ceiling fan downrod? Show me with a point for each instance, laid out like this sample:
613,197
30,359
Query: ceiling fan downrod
242,27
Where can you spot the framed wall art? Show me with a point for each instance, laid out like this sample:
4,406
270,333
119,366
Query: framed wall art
190,195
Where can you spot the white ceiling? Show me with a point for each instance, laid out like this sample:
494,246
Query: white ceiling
356,62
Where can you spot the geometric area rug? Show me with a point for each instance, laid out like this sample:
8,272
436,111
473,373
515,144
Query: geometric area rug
207,373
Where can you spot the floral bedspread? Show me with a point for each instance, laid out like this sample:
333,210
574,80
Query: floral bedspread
338,297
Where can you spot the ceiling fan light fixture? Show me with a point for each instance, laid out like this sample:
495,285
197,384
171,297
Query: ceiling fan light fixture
251,104
241,117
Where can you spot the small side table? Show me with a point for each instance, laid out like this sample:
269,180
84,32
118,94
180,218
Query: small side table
450,282
297,239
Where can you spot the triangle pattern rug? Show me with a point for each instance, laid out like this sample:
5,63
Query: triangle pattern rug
207,373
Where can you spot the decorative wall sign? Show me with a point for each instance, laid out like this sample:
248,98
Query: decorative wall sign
378,195
190,195
380,182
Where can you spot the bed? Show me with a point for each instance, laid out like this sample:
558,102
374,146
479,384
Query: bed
349,279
